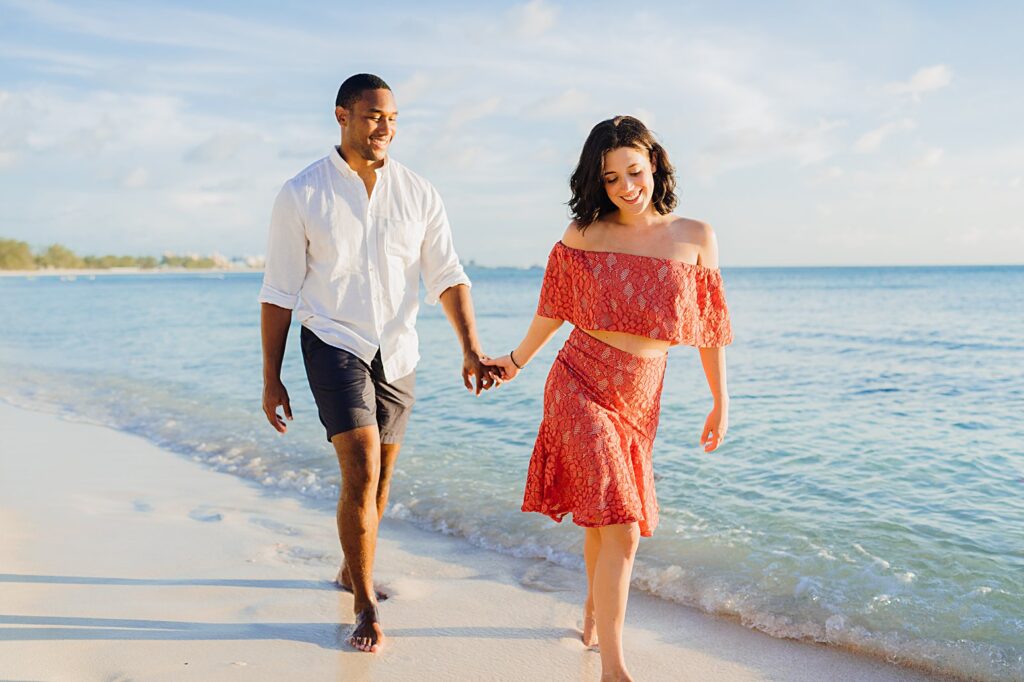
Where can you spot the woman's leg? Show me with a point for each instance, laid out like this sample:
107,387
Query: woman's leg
591,548
612,572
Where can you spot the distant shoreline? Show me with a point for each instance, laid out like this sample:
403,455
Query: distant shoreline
105,272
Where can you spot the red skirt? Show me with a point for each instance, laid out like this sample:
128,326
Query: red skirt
592,457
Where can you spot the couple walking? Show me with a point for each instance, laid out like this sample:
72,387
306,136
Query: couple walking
350,238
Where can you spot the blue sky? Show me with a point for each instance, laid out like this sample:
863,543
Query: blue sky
805,133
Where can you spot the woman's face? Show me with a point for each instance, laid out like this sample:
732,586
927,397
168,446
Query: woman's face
628,179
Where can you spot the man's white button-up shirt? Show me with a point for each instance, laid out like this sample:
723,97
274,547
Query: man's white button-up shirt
349,265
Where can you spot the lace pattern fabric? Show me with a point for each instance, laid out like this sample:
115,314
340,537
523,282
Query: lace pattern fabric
592,457
654,297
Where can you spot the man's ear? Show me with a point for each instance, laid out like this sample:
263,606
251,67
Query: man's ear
341,114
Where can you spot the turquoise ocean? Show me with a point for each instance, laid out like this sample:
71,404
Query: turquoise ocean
870,494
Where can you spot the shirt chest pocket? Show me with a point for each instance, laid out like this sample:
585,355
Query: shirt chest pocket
403,239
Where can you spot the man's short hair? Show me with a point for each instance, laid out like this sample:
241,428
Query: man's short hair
354,86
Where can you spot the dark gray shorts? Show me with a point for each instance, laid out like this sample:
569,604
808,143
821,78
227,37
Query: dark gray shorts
350,394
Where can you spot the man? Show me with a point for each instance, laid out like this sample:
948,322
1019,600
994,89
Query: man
350,237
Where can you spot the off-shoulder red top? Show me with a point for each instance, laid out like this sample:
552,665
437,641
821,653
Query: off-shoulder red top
649,296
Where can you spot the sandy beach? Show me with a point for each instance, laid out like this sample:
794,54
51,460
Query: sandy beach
124,561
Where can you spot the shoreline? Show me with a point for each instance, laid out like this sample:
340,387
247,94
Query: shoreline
123,559
85,272
106,272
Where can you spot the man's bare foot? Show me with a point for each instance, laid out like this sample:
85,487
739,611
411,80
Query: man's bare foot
344,584
589,627
367,635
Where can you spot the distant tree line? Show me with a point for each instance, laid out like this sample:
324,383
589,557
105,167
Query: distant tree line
16,255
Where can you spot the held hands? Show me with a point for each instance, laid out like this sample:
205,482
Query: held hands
274,395
715,427
479,366
505,365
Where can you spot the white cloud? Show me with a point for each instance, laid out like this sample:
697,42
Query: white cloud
930,158
751,146
924,80
827,175
174,26
413,88
204,199
647,116
218,148
569,103
464,113
872,140
138,177
533,19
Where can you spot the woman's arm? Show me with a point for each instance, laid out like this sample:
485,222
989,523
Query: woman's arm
540,332
713,359
717,423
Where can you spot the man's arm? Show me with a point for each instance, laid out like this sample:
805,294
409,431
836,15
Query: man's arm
274,324
458,306
283,275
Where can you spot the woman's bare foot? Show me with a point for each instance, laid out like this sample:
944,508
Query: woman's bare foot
589,626
617,676
344,584
367,635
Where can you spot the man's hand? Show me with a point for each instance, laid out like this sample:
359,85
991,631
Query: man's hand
486,376
275,395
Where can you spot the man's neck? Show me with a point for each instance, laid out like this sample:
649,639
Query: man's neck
356,162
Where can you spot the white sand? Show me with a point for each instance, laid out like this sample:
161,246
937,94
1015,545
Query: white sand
121,561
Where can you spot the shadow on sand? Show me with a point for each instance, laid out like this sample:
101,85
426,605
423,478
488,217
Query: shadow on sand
168,582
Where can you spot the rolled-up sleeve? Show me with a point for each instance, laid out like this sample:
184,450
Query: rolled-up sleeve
438,261
285,267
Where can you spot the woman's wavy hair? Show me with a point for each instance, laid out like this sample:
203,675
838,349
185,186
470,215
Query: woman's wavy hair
589,199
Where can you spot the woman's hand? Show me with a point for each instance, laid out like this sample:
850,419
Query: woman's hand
505,364
715,427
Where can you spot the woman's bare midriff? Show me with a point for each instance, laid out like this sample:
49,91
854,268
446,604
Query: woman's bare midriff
631,343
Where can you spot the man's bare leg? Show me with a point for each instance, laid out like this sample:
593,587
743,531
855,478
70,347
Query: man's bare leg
388,457
359,456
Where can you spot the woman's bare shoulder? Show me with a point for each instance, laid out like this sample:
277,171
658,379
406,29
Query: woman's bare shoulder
700,234
573,236
690,229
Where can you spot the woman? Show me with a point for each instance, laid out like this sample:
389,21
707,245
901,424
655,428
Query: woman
634,279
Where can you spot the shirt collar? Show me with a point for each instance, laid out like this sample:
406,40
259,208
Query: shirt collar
346,170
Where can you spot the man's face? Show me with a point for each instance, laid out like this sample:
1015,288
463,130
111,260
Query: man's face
370,124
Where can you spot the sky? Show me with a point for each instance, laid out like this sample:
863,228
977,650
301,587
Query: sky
814,133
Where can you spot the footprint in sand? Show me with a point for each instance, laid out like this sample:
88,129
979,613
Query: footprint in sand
205,514
305,555
275,526
142,506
